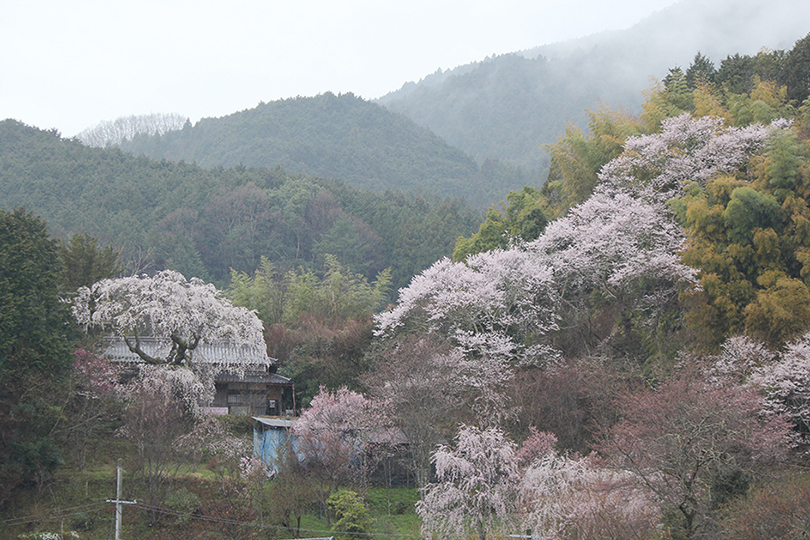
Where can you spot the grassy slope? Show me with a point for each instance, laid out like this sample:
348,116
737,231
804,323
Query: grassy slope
75,501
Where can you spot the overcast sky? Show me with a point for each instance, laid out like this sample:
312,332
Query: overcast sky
72,64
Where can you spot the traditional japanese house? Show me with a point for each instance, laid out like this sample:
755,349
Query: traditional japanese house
256,391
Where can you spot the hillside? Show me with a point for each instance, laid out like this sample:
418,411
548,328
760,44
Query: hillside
203,222
332,136
555,377
509,106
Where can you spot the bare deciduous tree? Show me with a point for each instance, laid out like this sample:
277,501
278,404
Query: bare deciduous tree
114,132
686,438
154,421
421,379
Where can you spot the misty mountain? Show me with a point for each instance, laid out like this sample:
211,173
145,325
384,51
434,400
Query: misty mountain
507,107
205,222
331,136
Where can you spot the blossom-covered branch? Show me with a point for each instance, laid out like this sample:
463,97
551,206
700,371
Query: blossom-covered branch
167,305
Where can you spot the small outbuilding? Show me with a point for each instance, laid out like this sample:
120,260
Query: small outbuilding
272,439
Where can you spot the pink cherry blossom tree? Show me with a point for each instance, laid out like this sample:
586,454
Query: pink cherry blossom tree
622,251
611,240
502,307
781,377
562,496
333,435
487,485
536,446
740,358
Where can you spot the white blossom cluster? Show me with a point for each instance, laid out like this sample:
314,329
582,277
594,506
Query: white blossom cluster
658,166
167,305
500,305
611,240
476,486
483,490
562,496
781,377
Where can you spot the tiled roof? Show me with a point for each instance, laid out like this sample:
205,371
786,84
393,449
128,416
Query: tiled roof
222,352
251,377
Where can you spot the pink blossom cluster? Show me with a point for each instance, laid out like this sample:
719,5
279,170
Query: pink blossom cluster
96,376
488,485
499,306
334,429
343,411
563,496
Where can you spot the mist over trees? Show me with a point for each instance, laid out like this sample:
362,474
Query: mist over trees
508,107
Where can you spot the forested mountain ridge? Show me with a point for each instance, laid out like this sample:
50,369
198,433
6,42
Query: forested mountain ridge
507,107
203,222
333,136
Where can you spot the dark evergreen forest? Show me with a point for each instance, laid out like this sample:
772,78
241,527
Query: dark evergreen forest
334,136
205,222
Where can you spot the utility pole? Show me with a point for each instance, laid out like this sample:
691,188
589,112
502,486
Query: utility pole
119,514
118,502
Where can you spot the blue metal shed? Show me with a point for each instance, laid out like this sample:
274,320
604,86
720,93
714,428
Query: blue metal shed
270,439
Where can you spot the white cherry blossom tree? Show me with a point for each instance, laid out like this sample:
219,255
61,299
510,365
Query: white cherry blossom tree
166,305
781,377
496,308
501,306
476,489
503,295
562,496
786,385
658,166
487,485
612,240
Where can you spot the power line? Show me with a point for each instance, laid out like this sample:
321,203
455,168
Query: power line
57,513
60,513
